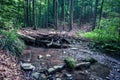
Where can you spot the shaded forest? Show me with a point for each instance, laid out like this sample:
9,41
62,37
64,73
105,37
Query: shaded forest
60,39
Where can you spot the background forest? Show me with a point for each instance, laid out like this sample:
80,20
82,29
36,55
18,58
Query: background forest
59,39
103,15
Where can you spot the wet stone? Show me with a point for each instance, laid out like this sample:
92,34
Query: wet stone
118,70
68,75
40,56
50,70
27,66
43,76
48,55
58,79
36,75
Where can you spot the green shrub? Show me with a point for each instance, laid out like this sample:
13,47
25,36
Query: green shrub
11,43
107,35
70,62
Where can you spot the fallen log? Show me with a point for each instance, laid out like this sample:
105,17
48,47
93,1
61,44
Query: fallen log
83,65
26,37
45,40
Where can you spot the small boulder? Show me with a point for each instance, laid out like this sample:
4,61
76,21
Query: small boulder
58,67
51,70
48,55
27,66
58,79
36,75
40,56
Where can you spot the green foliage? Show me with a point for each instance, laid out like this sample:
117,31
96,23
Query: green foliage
11,14
70,62
107,35
11,43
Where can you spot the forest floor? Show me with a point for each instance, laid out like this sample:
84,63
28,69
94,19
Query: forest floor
106,68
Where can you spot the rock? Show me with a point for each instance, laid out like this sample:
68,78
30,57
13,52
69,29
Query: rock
27,66
58,79
68,75
64,52
82,65
51,70
55,69
48,55
58,67
50,77
91,60
43,76
73,48
40,56
70,62
43,71
118,70
36,75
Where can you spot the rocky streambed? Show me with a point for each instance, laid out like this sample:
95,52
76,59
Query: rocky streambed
106,68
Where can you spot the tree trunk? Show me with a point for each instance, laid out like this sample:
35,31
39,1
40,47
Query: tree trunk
95,14
63,13
101,8
71,14
56,14
34,15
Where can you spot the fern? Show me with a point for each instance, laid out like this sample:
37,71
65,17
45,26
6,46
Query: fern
11,43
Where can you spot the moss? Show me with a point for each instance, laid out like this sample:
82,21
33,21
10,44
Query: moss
70,62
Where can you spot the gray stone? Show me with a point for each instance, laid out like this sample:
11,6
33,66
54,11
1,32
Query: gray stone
58,67
68,75
48,55
73,48
40,56
58,79
36,75
27,66
51,70
83,65
43,76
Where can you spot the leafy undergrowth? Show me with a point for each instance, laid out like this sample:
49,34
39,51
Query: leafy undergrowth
107,36
10,42
103,41
9,69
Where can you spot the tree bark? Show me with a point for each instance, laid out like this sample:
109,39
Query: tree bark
34,15
95,15
101,8
56,14
63,13
71,13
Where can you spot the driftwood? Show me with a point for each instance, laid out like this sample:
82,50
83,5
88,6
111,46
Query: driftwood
46,40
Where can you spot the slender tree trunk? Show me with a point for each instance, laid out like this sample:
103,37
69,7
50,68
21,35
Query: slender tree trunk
101,8
82,8
56,14
34,15
63,13
40,14
25,18
71,14
95,14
